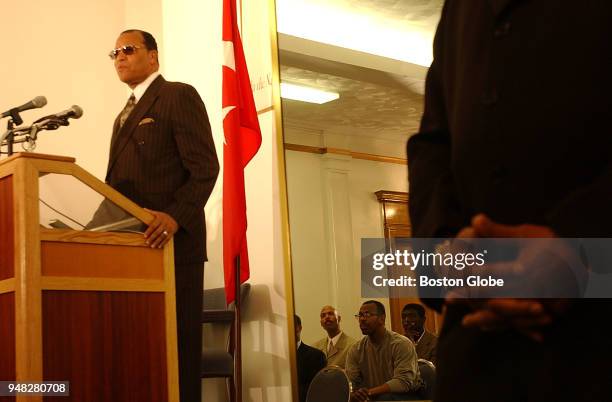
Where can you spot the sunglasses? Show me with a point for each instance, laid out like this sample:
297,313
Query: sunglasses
127,50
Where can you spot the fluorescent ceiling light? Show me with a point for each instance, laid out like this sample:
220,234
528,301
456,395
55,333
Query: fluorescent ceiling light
306,94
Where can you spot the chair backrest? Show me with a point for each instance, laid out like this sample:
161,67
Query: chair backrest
214,299
428,375
331,384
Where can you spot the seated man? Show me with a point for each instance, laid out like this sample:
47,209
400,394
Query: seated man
309,361
336,344
383,364
413,321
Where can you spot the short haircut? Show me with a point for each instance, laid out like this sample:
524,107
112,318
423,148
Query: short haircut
297,320
149,40
332,307
380,308
416,307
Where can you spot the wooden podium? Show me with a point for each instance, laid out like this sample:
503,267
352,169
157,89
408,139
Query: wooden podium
96,309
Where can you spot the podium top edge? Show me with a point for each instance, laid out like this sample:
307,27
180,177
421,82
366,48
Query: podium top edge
32,155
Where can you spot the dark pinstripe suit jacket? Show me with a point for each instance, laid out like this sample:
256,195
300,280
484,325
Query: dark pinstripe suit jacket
164,158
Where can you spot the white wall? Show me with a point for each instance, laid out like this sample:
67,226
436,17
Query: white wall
332,206
59,49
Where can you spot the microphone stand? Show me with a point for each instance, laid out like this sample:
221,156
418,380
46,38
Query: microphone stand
10,135
29,134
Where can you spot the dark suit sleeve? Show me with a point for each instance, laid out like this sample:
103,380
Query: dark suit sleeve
193,137
434,209
321,361
309,362
315,361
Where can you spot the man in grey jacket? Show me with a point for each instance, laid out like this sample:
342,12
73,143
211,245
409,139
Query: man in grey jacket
383,364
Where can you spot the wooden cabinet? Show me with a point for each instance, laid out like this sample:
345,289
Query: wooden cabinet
396,218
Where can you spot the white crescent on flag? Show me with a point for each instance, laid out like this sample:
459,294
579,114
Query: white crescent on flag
229,62
226,111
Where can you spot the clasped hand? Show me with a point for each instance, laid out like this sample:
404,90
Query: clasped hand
533,268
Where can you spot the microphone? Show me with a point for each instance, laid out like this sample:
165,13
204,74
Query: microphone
53,121
74,112
35,103
50,122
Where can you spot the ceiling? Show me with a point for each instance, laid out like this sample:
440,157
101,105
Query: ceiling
379,96
398,29
364,108
423,13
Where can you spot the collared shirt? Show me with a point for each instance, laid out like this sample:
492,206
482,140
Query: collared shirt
334,340
420,337
141,88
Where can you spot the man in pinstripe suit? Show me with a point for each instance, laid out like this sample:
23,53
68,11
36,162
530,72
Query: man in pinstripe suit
163,157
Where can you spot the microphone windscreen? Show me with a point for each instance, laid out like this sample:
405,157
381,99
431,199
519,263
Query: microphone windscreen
39,101
77,111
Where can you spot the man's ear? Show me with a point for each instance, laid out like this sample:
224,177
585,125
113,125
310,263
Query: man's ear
154,56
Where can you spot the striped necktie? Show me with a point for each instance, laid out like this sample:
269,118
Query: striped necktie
129,106
330,347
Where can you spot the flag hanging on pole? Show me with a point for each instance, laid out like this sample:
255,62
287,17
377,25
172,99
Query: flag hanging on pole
242,140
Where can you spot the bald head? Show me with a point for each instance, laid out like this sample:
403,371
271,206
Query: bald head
330,320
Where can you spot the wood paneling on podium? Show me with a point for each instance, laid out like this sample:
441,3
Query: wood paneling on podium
93,308
7,268
6,228
110,344
7,337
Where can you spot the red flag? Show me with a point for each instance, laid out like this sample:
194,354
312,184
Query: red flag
242,140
